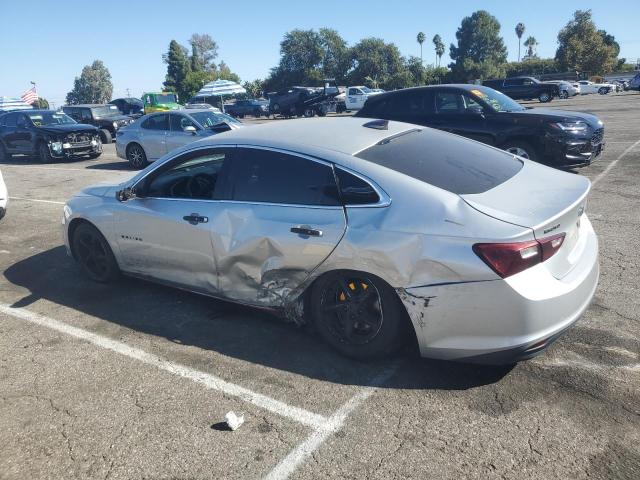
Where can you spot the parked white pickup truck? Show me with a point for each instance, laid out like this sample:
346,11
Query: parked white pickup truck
587,87
356,96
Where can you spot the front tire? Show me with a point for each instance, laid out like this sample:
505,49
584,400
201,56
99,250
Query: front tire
564,94
3,153
358,314
93,254
522,149
105,136
545,97
136,156
603,91
44,154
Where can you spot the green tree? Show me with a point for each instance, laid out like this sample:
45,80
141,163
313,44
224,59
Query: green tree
610,40
533,66
420,39
480,52
335,62
41,103
225,73
205,50
581,47
531,43
519,32
376,63
93,86
254,89
439,47
178,68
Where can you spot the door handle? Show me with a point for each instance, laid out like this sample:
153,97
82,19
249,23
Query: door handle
306,230
195,219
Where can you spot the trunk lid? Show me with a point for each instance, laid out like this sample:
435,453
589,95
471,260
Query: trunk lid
547,201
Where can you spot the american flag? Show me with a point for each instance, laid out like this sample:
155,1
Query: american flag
30,95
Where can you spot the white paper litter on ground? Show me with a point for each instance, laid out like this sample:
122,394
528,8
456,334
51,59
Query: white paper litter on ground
234,421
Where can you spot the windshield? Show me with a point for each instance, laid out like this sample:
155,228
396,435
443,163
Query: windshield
366,90
165,98
41,119
209,119
498,100
105,111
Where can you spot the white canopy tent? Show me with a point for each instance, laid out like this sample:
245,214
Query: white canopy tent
220,88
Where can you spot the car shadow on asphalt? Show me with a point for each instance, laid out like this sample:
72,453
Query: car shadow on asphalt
124,165
234,331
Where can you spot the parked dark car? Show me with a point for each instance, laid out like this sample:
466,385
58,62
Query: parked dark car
104,116
559,138
47,134
307,101
133,107
240,108
524,88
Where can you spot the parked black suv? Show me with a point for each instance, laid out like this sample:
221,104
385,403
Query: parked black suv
559,138
240,108
525,88
104,116
47,134
132,107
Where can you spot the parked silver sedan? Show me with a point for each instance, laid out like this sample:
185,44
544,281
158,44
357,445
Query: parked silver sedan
154,135
371,230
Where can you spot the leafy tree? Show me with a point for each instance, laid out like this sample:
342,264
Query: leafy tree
93,86
204,49
335,62
178,68
610,40
254,89
420,39
533,66
225,73
376,63
41,103
439,46
480,52
581,47
531,43
519,32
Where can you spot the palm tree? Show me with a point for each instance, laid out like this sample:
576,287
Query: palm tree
437,42
519,33
421,38
531,43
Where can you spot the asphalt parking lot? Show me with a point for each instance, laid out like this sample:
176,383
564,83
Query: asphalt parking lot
133,380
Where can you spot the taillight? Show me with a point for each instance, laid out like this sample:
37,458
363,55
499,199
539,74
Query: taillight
507,259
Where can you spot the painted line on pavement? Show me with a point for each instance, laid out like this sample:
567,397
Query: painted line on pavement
613,164
36,200
209,381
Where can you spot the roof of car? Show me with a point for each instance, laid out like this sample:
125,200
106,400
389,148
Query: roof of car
88,105
347,135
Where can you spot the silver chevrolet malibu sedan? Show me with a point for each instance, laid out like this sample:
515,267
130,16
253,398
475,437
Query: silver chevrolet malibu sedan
372,231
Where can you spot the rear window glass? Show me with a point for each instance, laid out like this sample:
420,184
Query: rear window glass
445,161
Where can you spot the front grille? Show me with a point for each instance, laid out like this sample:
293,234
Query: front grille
79,138
597,136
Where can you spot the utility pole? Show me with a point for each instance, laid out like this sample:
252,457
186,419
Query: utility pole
128,95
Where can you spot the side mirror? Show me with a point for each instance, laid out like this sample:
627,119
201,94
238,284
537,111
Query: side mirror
125,194
189,129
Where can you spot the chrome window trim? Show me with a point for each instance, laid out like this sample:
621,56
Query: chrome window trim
385,199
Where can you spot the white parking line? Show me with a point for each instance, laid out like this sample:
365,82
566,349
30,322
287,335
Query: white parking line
613,164
334,423
62,169
209,381
36,200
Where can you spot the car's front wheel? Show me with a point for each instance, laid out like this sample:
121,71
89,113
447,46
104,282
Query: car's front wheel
603,90
93,254
521,149
105,136
358,314
3,153
136,156
545,97
564,94
44,153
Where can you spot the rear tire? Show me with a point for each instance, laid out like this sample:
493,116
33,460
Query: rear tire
564,94
136,156
105,136
93,254
3,153
603,90
358,314
522,149
545,97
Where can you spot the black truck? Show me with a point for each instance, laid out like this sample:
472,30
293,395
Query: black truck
524,88
47,134
304,101
104,116
254,107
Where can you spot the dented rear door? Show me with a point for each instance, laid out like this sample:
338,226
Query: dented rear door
282,220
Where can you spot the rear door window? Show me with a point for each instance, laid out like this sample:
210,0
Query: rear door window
449,102
156,122
444,161
275,177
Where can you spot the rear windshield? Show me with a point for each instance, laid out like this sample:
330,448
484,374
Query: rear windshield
445,161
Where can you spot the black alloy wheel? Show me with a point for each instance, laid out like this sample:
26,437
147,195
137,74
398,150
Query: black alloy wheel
136,156
94,255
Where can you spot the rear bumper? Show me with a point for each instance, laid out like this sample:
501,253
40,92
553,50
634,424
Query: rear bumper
503,321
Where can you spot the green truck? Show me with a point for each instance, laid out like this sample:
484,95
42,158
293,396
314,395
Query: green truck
160,102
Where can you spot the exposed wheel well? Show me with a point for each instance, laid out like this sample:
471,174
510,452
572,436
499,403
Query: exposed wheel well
410,331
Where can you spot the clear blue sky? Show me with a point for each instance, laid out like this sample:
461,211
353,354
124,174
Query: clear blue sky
50,41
